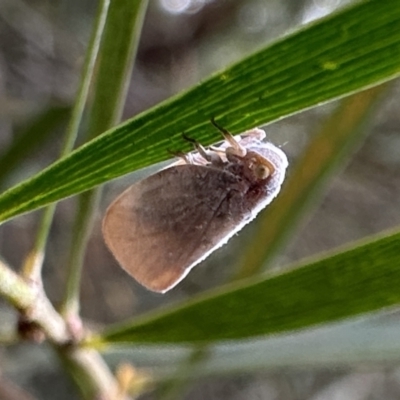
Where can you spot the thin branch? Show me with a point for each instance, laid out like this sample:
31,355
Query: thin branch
85,365
30,300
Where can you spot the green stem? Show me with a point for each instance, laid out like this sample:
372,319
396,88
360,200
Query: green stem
118,51
34,263
81,230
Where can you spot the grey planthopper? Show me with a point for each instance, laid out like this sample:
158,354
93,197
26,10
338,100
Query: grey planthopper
162,226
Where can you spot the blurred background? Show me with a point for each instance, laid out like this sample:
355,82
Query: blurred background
42,46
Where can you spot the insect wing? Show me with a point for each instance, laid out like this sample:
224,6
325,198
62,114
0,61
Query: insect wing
162,226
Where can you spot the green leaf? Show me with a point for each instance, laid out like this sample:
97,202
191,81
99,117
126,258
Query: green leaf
339,55
339,345
118,51
363,279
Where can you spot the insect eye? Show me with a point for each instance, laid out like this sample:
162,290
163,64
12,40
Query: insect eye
261,171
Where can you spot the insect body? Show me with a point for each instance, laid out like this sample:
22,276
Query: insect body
162,226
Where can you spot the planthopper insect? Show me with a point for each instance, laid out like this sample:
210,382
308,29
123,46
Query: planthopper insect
162,226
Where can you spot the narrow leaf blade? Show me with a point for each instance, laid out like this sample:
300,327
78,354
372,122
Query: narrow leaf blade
337,56
360,280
